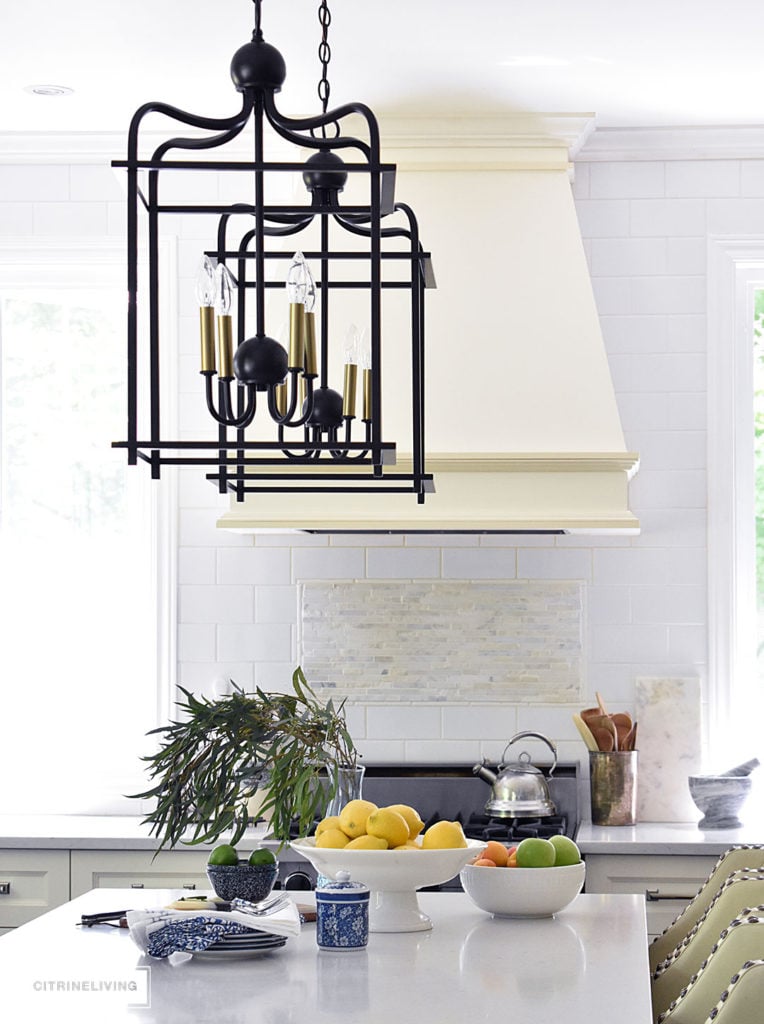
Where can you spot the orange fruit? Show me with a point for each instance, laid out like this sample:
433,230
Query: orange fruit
485,862
496,852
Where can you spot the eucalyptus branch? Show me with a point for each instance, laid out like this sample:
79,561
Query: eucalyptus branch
220,752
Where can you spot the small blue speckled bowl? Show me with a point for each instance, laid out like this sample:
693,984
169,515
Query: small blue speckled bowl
242,881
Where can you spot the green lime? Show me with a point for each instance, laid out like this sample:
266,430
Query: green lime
259,857
223,854
566,851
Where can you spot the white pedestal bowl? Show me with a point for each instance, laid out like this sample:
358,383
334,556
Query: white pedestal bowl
393,876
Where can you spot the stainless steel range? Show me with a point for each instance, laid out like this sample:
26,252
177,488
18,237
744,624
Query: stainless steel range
452,792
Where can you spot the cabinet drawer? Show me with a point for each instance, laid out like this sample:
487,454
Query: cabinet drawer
113,869
31,882
672,880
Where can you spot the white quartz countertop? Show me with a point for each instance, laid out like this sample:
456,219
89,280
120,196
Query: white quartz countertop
575,967
665,838
87,832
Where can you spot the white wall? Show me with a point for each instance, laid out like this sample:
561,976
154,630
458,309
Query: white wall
645,225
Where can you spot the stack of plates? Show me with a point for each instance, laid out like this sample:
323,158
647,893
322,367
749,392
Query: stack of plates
238,946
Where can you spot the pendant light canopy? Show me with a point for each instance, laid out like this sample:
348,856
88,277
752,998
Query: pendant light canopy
282,402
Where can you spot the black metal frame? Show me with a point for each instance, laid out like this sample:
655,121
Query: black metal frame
241,465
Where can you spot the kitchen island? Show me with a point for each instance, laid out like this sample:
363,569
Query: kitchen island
589,963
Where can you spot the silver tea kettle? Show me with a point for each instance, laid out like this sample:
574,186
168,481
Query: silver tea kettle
520,789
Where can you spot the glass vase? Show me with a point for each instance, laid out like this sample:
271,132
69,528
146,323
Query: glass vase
349,785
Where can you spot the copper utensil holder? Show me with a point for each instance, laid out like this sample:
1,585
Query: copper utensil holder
613,782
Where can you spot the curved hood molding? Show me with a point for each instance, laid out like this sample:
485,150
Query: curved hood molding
522,429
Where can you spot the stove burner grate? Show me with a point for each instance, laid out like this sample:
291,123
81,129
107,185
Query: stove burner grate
513,830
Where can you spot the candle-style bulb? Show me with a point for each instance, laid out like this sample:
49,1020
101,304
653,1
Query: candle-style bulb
205,282
364,350
226,287
351,345
310,290
297,279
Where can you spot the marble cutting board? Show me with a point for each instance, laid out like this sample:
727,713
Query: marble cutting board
669,741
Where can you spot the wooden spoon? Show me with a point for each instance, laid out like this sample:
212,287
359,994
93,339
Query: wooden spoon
603,737
586,733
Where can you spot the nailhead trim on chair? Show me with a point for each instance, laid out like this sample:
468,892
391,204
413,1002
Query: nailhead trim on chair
733,981
739,846
740,875
743,918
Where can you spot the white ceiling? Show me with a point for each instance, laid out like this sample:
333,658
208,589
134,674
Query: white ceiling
646,63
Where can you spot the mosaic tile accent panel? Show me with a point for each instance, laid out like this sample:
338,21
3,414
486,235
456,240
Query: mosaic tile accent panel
509,642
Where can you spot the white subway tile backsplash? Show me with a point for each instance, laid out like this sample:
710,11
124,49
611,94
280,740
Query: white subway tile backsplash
535,564
687,333
635,335
752,178
95,183
441,752
612,295
70,219
629,643
255,641
479,723
659,488
656,295
276,604
735,216
208,677
479,564
403,563
642,179
702,178
641,411
621,257
196,642
667,217
196,565
254,565
196,528
687,644
671,449
674,605
554,723
655,373
391,751
686,256
16,218
329,564
216,604
404,723
603,218
609,605
39,183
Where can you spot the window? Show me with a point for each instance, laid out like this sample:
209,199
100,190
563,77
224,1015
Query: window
84,654
735,499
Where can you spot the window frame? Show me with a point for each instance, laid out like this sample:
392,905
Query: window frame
74,262
735,271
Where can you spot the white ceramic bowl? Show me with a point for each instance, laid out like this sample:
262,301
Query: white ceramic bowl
393,876
523,892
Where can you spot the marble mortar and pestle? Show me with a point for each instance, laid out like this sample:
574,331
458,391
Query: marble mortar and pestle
720,797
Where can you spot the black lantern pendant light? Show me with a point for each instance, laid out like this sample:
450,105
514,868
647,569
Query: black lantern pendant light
317,443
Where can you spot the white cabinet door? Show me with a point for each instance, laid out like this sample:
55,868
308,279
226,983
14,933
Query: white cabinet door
138,869
668,883
31,882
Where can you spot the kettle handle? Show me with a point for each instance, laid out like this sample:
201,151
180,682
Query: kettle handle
538,736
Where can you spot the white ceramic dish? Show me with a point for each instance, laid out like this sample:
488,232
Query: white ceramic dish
523,892
393,876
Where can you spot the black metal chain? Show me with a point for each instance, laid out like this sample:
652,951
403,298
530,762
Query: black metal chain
324,53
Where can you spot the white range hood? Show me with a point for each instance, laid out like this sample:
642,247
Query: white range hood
522,428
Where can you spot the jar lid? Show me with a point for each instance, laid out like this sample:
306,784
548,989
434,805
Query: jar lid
343,884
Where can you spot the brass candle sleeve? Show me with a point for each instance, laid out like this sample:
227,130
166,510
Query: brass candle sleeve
207,335
367,395
296,335
311,363
281,399
348,392
225,348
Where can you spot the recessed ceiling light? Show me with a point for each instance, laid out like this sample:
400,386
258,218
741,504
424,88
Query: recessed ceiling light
49,90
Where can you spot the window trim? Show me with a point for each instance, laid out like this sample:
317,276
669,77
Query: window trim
20,262
735,270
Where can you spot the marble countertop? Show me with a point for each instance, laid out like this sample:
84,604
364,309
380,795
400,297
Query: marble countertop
666,838
469,966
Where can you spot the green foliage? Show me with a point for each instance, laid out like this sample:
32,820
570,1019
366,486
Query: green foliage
222,751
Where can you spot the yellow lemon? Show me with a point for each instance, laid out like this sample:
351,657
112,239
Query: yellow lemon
408,846
332,838
413,820
444,835
353,817
367,843
332,822
389,825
